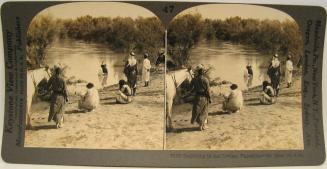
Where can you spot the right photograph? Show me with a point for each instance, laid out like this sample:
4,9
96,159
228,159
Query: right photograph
233,79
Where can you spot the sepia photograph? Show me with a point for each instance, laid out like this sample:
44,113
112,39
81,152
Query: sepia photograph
163,84
233,79
95,77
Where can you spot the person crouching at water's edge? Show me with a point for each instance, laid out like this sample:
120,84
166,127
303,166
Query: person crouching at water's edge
234,100
90,100
200,85
130,71
124,93
268,94
59,97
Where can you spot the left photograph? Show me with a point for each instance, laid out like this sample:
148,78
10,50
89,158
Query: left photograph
95,77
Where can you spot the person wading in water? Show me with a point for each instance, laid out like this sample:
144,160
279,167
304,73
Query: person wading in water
104,74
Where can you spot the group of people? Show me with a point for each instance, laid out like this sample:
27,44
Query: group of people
127,89
200,85
90,100
233,100
270,91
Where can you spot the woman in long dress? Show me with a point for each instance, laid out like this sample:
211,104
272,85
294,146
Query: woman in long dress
59,97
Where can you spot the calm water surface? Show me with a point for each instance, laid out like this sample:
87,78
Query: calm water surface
84,59
229,62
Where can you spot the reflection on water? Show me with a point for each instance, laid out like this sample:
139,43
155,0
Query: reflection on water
229,62
84,60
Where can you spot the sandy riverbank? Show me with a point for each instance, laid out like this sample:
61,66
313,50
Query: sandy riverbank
255,127
138,125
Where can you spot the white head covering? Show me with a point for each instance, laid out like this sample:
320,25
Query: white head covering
132,61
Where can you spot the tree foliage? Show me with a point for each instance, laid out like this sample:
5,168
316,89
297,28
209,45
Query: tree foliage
123,34
40,34
268,36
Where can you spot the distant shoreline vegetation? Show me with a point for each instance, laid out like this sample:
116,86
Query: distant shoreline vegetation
119,34
267,36
123,34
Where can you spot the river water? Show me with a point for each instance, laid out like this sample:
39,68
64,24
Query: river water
84,60
229,61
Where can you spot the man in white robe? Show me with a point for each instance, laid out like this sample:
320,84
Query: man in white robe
146,70
289,71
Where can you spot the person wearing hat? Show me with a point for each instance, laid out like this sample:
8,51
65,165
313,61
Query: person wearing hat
197,68
90,100
274,73
161,58
146,70
268,94
200,85
131,72
234,100
124,95
59,97
289,71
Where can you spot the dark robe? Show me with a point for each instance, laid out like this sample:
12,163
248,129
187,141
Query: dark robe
58,98
201,87
274,75
131,74
249,69
104,69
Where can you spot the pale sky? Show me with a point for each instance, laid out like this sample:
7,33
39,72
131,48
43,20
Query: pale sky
97,9
223,11
114,9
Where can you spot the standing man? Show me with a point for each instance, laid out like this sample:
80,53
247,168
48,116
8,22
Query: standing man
289,71
274,73
202,99
131,72
146,70
59,97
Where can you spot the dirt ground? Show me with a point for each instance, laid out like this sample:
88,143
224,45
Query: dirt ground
138,125
255,127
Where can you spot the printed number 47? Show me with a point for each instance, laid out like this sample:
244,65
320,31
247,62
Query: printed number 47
168,9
